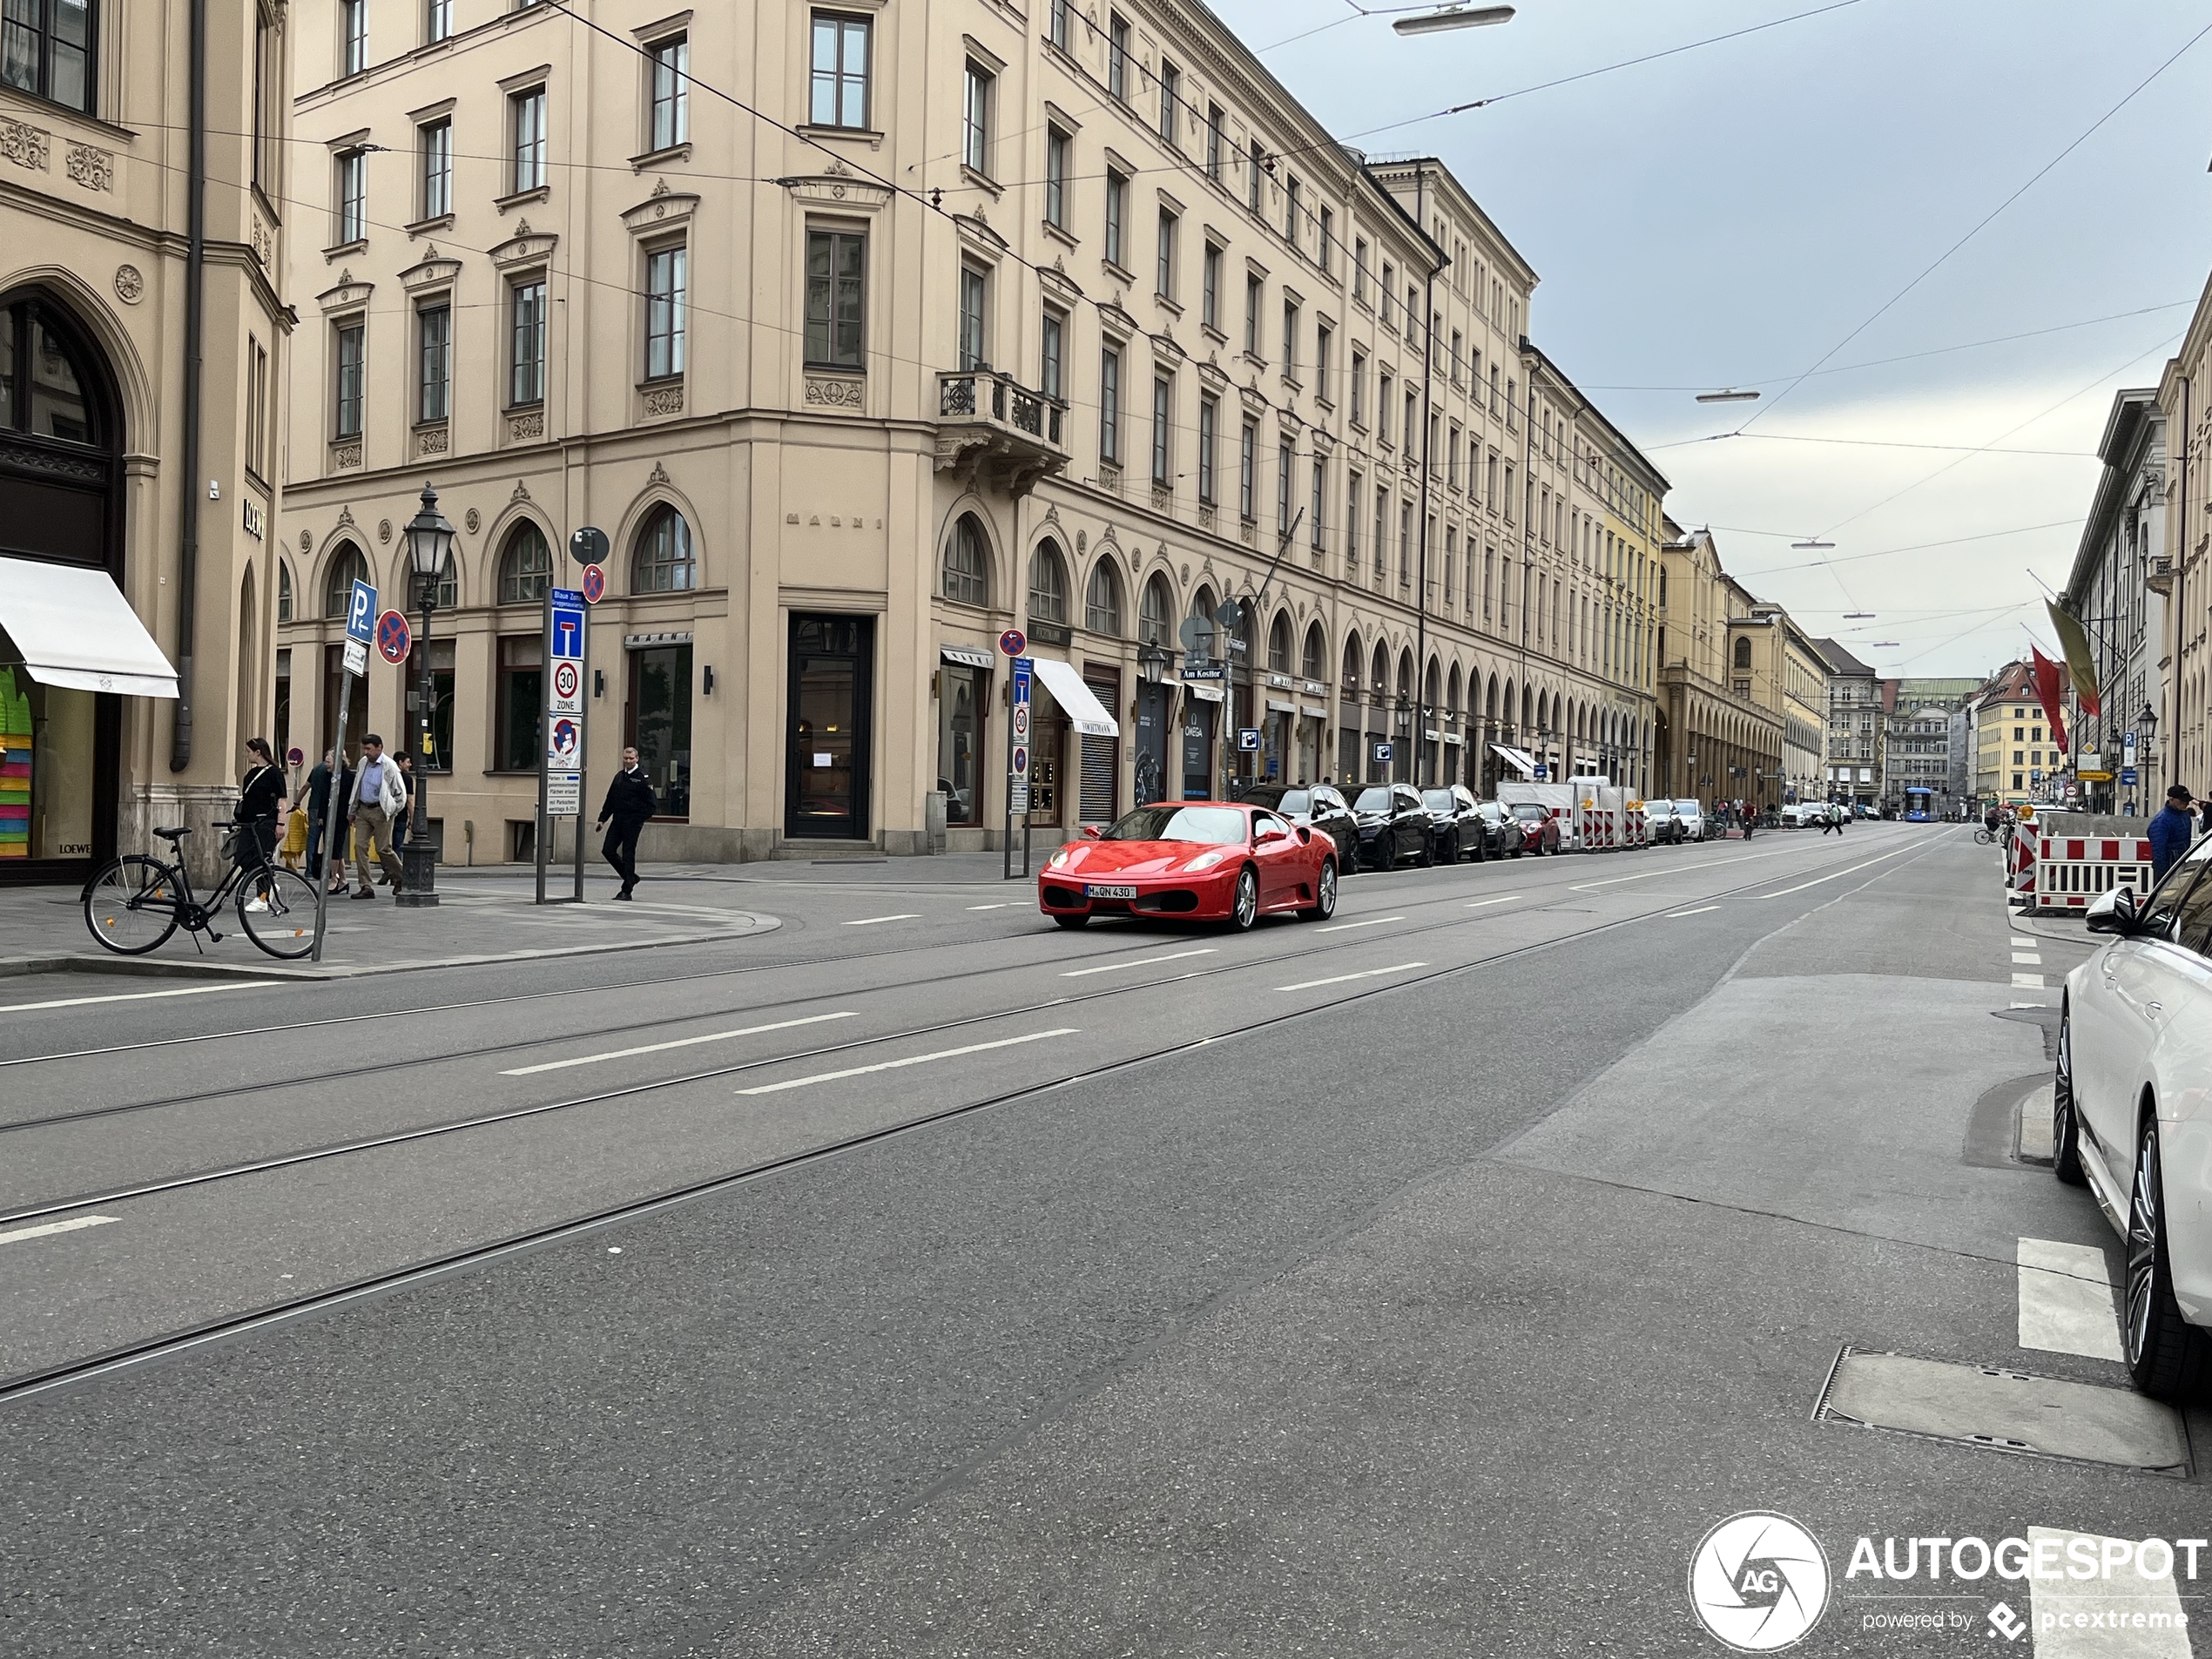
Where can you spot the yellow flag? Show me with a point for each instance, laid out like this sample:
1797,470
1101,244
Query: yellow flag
2079,666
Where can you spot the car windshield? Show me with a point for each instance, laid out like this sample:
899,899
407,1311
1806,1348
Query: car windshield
1530,814
1489,810
1372,800
1214,826
1293,800
1690,807
1440,800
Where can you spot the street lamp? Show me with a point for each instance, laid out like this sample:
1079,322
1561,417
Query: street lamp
429,549
1436,22
1731,396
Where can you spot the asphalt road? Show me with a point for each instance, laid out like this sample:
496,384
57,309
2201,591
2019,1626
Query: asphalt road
916,1278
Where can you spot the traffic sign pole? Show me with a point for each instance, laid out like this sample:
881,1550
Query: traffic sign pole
358,624
1019,679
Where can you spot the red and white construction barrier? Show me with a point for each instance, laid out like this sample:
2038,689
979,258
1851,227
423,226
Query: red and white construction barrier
2068,872
1636,828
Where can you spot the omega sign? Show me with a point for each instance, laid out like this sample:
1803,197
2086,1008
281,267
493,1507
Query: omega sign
252,514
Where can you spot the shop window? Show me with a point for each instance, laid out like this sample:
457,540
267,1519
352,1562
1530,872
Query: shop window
657,723
962,696
522,695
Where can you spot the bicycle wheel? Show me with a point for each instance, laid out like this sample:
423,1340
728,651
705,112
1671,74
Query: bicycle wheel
132,905
284,923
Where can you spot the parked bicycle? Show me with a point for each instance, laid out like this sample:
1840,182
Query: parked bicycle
136,902
1985,836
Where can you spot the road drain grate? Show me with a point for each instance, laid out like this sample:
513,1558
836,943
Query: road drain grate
2003,1410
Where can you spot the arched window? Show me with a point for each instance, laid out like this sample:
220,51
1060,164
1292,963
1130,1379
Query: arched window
448,585
1743,653
1201,604
1048,584
1102,600
1315,666
1451,693
1350,678
1156,620
45,389
665,562
967,563
284,590
346,566
525,566
1405,677
1432,685
1279,644
1379,681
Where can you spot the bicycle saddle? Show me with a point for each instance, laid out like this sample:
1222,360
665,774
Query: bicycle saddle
172,835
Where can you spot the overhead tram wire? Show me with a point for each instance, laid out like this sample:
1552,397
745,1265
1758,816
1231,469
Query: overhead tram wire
1980,225
1589,74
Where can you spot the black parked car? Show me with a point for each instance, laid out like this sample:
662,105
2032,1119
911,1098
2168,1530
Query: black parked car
1454,830
1393,827
1502,835
1319,807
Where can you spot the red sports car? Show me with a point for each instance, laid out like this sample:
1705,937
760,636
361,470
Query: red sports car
1197,861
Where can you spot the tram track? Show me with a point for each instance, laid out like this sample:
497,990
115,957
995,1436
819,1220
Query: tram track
176,1342
629,1027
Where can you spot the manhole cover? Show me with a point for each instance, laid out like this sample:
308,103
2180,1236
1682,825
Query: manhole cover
2003,1410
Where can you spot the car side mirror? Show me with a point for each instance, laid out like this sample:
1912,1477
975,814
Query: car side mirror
1092,833
2112,912
1270,833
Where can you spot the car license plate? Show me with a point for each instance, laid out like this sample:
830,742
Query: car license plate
1098,890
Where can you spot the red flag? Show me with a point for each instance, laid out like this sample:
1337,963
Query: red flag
2046,689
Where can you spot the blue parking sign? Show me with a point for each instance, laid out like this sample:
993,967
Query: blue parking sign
360,613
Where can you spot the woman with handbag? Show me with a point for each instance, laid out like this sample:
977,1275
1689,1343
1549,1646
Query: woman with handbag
260,799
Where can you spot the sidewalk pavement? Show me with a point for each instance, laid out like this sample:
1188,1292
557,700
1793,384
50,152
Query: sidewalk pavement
481,917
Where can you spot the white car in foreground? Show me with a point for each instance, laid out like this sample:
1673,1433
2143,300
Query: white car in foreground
2132,1112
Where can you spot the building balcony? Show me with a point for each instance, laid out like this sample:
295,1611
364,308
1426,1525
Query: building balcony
997,434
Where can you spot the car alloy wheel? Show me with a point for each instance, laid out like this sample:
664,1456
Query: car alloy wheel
2168,1357
2065,1125
1324,894
1244,908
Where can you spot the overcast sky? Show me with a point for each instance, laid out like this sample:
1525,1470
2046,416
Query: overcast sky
1727,215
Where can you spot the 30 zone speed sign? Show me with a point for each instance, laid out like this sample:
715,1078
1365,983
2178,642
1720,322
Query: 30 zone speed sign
568,688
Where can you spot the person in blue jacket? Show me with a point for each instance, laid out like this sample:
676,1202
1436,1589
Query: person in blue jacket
2172,831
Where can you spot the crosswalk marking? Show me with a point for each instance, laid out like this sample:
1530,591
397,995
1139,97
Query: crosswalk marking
2066,1304
2027,981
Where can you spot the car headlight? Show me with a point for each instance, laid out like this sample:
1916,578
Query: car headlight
1207,860
1058,860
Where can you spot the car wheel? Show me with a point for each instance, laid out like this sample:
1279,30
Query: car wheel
1426,858
1518,851
2066,1126
1243,909
1325,894
1073,921
2169,1358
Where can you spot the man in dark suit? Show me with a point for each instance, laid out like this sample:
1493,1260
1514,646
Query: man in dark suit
630,802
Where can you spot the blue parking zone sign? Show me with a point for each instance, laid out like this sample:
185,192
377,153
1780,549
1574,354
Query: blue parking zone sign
360,612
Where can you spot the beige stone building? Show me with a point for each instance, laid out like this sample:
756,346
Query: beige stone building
2182,575
143,347
966,321
1717,740
1778,668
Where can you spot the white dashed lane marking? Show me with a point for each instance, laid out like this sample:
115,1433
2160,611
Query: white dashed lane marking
1142,961
2065,1303
1341,978
2027,981
870,922
912,1060
2114,1612
73,1225
680,1043
1371,921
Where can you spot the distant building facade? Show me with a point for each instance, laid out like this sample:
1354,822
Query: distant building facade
1853,752
1718,741
2110,590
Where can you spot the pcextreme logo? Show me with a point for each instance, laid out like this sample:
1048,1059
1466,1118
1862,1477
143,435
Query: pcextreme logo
1758,1582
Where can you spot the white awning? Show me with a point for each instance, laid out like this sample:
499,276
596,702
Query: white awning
1205,691
75,629
1076,700
1519,760
1275,706
967,656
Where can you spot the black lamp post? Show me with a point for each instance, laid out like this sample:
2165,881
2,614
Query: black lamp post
429,549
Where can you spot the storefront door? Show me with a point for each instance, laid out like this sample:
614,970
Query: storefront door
1151,744
1198,750
829,726
657,723
963,694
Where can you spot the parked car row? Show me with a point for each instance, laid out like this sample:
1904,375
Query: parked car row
1283,847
